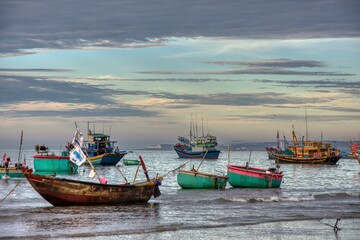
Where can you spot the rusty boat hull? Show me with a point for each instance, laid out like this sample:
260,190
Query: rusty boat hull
68,192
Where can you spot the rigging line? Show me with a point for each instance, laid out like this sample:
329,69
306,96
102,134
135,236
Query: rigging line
10,191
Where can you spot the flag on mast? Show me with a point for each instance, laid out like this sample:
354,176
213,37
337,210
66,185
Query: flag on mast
76,154
78,138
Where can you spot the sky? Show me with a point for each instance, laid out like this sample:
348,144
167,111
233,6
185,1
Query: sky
139,70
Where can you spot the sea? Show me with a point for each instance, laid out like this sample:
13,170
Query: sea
307,206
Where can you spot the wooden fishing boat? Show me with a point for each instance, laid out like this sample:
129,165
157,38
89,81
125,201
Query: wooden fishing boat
198,180
101,150
309,152
45,163
184,152
16,171
251,177
49,164
131,162
11,172
68,192
203,146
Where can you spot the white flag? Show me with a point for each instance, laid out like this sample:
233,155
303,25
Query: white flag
77,156
78,138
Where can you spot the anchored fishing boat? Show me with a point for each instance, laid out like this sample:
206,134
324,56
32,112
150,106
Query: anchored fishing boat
131,162
46,163
251,177
69,192
310,152
196,146
198,180
355,151
101,150
194,179
7,171
280,147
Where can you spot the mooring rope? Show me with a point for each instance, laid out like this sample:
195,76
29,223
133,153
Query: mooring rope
11,191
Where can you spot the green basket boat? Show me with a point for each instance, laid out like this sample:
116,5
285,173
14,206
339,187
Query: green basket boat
250,177
198,180
131,162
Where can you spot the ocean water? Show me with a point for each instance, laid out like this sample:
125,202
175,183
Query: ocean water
310,199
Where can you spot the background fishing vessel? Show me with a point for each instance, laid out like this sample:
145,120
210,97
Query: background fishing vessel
101,150
196,146
8,171
309,152
45,163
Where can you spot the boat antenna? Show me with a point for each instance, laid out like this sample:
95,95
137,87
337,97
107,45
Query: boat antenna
306,120
202,124
229,154
197,133
248,163
191,126
21,141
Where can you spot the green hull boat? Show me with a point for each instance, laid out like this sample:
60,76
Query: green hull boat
131,162
49,164
198,180
10,172
250,177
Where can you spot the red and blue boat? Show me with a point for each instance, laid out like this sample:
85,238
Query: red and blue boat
251,177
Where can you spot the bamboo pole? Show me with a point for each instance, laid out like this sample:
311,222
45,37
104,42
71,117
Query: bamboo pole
202,160
117,167
137,169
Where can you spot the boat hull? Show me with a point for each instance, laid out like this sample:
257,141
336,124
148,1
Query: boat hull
198,180
67,192
106,159
49,164
11,172
131,162
243,177
210,154
330,160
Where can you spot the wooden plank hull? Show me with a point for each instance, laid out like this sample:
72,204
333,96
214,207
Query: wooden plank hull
210,154
198,180
330,160
243,177
67,192
49,164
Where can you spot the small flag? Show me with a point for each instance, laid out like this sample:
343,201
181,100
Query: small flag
78,138
77,156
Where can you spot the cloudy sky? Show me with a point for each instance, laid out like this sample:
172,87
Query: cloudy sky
139,69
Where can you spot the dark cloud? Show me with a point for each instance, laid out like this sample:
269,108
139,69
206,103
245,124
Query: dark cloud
35,70
256,71
339,83
282,62
295,117
72,24
103,111
190,80
15,89
240,99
